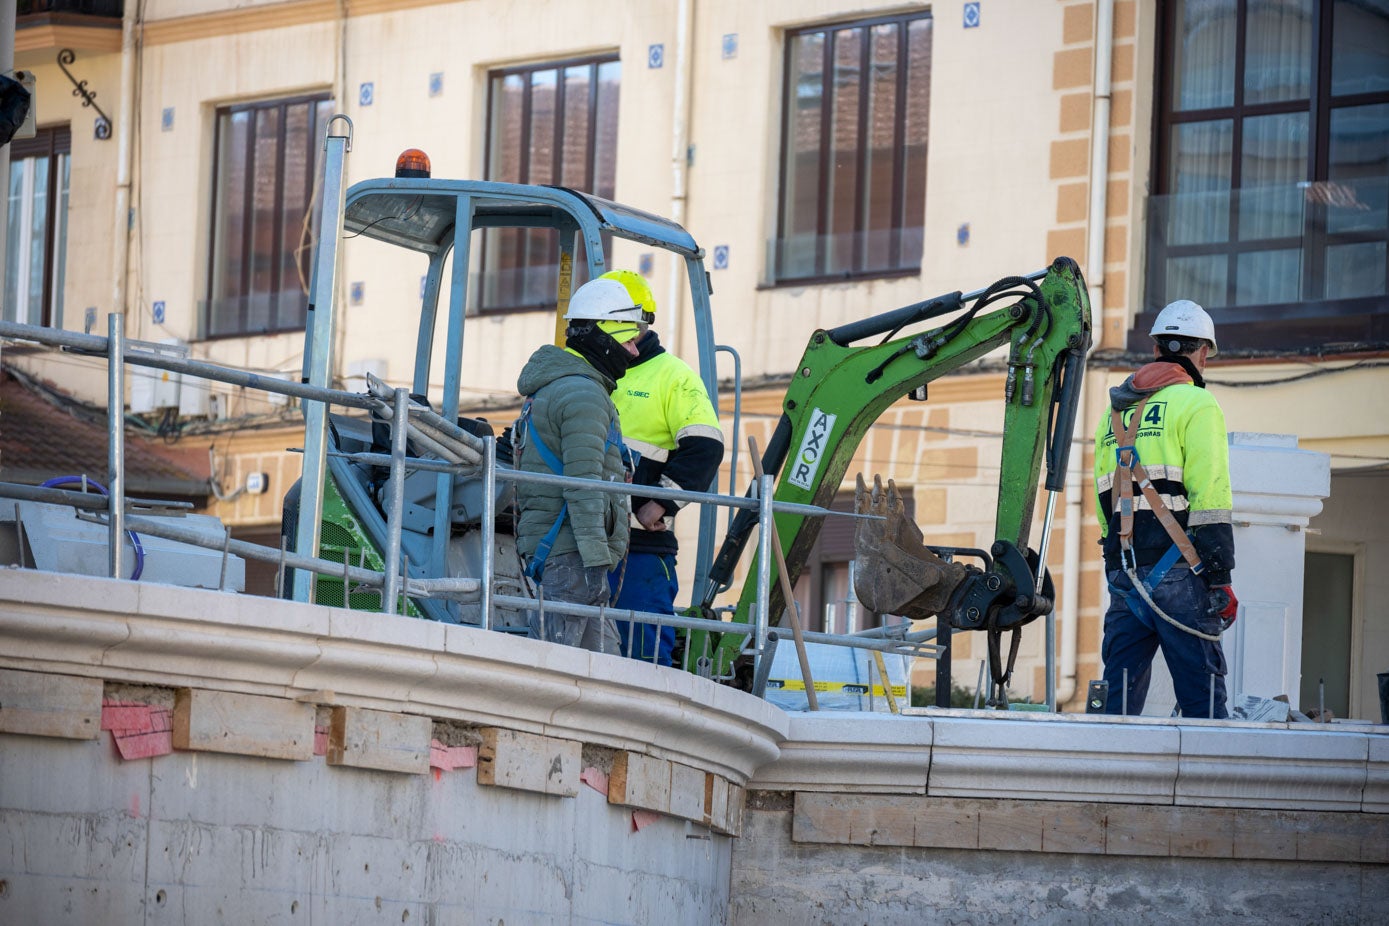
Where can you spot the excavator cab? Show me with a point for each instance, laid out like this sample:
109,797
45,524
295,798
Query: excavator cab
436,219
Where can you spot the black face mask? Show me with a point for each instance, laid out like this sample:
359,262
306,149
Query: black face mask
599,348
1185,363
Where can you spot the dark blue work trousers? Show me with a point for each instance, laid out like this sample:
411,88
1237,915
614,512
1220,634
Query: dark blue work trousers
1133,634
649,584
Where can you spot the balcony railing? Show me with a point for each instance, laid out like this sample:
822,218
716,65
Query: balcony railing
1311,257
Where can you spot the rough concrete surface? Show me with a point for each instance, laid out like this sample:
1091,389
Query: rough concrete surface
86,838
776,881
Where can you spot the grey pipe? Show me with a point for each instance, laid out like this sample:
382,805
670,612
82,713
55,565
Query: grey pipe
395,503
115,440
489,525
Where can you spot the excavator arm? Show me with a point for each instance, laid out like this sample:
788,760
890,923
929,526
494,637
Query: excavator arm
840,389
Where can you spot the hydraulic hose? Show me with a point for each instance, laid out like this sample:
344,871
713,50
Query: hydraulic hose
1143,593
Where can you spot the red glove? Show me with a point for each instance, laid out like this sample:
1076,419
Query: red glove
1222,603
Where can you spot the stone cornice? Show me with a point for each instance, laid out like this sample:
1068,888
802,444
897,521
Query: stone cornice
173,637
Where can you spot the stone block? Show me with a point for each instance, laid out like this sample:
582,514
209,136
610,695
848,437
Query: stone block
248,725
39,704
381,740
528,762
640,781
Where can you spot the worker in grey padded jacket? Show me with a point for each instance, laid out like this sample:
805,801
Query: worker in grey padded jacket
571,537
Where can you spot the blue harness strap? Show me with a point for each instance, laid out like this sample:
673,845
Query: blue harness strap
1159,570
535,566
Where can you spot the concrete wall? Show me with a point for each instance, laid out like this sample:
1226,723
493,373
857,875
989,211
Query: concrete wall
206,838
978,816
992,818
779,881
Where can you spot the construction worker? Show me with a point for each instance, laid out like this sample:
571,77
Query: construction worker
670,424
1162,480
571,537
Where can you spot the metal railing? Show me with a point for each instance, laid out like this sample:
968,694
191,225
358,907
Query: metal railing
462,454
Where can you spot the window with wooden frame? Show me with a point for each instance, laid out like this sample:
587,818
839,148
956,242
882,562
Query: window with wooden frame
855,102
1272,171
36,236
264,216
551,123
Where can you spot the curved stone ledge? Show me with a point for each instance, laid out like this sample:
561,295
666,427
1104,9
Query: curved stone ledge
172,637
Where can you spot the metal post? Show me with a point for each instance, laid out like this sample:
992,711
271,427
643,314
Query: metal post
395,499
489,524
1051,659
944,634
1051,615
115,438
1124,701
765,527
318,364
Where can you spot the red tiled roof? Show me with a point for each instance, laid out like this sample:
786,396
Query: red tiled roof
40,440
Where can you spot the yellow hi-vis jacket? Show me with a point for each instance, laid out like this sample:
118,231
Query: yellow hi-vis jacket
668,420
1183,444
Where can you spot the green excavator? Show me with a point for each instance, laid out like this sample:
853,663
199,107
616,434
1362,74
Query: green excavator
838,390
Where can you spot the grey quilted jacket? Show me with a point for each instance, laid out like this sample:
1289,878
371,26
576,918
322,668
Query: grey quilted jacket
572,413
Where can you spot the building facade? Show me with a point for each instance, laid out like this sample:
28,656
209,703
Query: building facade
835,160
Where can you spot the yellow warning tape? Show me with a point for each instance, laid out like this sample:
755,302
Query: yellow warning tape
791,684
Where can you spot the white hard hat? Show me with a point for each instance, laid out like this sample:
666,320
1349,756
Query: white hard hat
603,300
1185,319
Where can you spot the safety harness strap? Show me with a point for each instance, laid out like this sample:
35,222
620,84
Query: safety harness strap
535,566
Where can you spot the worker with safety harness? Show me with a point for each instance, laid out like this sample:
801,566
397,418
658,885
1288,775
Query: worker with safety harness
671,427
570,537
1162,480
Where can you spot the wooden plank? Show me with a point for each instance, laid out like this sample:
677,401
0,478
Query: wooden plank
1073,827
820,817
733,823
380,740
687,787
1264,834
947,824
715,800
528,762
240,724
640,781
1201,832
1010,826
1086,827
1135,829
39,704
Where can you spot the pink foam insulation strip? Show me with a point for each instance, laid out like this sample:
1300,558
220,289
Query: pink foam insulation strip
448,758
643,818
140,730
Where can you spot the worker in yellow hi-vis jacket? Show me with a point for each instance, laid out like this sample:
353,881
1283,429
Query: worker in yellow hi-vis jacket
670,423
1162,481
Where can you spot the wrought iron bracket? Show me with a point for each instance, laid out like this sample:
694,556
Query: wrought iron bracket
103,124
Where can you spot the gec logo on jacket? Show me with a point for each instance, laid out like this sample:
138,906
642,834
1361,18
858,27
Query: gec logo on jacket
806,463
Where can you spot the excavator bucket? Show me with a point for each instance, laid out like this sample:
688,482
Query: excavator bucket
895,572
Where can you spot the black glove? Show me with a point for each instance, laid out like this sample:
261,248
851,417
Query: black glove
1222,604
